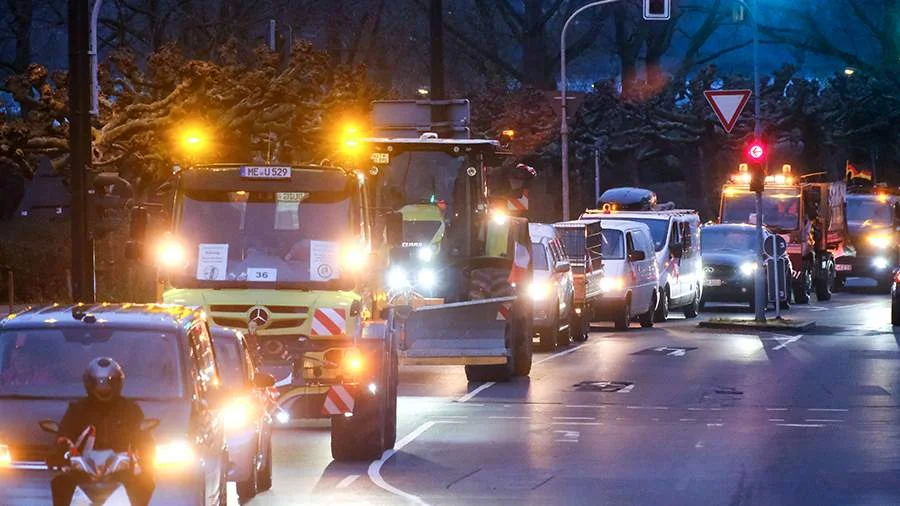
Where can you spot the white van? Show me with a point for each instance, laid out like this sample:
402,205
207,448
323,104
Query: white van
676,239
630,276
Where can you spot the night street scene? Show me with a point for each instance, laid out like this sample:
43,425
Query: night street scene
450,252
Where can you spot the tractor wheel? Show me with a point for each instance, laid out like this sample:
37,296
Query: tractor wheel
803,287
361,437
825,283
522,347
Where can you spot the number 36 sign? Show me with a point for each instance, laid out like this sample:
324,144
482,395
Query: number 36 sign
262,275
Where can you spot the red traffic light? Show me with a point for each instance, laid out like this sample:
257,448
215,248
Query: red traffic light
756,151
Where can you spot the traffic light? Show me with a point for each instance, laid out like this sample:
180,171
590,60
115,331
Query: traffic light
655,10
756,155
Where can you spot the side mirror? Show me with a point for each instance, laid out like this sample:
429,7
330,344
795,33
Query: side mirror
394,229
139,219
264,380
897,213
49,426
563,267
637,256
676,250
149,424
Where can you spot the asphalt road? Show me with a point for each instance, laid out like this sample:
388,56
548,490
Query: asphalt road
700,417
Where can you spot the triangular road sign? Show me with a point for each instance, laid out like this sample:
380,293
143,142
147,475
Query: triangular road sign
727,104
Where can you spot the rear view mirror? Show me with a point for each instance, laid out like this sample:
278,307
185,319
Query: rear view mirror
264,380
49,426
637,256
394,229
149,424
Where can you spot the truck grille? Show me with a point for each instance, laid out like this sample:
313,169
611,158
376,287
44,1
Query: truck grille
280,317
719,271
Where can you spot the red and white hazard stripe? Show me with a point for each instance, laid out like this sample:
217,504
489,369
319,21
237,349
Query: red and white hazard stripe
521,260
503,311
329,322
338,400
518,204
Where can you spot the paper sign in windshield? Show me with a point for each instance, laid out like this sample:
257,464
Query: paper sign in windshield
323,260
291,196
212,262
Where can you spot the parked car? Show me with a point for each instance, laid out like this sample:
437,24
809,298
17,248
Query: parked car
730,260
247,414
170,370
552,288
630,276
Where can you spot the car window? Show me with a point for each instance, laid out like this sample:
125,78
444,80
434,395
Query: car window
540,257
51,362
230,361
613,247
641,243
204,358
674,234
629,243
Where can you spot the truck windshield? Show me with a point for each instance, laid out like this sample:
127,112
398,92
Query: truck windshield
239,237
781,209
417,233
419,177
540,257
871,209
613,245
659,230
721,239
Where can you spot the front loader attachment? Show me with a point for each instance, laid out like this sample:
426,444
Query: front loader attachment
462,333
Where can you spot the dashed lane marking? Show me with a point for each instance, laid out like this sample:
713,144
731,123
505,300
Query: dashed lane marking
801,425
836,410
776,419
471,395
577,423
574,418
346,482
824,420
509,418
776,409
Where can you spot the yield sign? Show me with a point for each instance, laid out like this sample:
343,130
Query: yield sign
727,104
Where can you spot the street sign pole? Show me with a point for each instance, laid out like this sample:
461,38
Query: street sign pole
760,282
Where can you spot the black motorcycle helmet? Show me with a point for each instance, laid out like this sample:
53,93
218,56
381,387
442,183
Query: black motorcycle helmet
103,379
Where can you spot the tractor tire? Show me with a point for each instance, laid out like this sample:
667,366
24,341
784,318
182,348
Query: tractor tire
803,287
361,437
662,310
522,348
824,284
500,373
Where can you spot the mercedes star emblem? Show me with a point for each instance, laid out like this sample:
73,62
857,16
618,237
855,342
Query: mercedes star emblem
259,316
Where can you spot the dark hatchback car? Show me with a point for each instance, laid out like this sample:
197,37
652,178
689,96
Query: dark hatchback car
729,264
170,370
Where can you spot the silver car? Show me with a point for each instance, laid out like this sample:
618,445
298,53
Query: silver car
247,415
552,289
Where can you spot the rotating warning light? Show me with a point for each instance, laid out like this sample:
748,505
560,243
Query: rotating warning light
756,151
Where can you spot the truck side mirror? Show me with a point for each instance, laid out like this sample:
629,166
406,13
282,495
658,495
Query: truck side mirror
676,250
137,231
394,228
637,256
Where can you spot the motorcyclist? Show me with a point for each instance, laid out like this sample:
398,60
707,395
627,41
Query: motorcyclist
117,422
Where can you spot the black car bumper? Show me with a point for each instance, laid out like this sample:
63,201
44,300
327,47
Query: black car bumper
728,290
866,266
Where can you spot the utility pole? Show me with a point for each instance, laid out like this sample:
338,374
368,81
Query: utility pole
437,92
759,281
596,177
80,148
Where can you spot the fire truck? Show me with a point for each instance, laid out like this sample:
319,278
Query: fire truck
808,212
284,253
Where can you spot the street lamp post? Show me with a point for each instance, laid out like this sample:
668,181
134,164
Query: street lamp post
564,124
92,51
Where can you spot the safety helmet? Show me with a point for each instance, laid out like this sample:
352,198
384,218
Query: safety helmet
103,379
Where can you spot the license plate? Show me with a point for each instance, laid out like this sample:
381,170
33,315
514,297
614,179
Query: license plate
265,172
712,282
381,158
843,267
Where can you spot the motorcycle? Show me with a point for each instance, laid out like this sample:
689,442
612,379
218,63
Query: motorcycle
98,472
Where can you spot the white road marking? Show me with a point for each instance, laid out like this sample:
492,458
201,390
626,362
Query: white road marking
803,425
577,423
627,389
570,436
574,418
471,395
788,341
836,410
509,418
776,419
677,353
699,444
696,409
453,416
715,425
776,409
346,482
586,406
716,409
824,420
687,419
565,440
375,467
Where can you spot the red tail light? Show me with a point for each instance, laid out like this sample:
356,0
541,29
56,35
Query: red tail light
897,277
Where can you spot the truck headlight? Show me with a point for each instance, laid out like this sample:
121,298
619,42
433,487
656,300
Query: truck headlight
425,254
611,284
426,279
880,263
397,278
170,254
879,241
747,269
175,454
539,290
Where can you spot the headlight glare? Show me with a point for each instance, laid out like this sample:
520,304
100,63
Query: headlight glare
425,254
539,290
5,456
879,241
611,284
748,268
397,278
237,413
174,454
426,279
880,263
170,254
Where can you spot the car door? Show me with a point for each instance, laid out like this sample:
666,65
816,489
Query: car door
676,287
646,269
206,426
567,286
639,299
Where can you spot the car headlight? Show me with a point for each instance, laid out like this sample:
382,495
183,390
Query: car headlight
539,290
5,456
611,284
237,413
426,279
880,263
748,268
879,241
174,454
425,254
397,278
